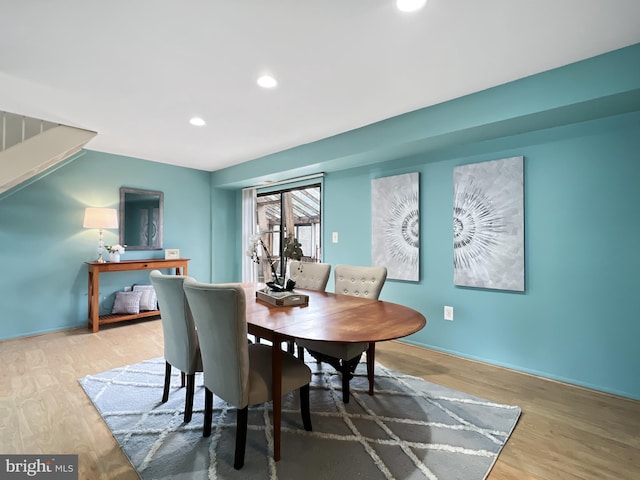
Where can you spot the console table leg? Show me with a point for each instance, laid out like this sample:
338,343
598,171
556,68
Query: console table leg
89,296
93,301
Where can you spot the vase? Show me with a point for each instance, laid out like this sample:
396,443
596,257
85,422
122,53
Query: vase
114,257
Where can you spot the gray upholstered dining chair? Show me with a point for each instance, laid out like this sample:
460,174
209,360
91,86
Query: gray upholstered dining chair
181,347
312,276
344,357
236,371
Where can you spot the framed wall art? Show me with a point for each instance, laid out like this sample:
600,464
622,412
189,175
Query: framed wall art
488,224
395,206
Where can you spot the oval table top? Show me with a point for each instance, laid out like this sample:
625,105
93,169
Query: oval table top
333,317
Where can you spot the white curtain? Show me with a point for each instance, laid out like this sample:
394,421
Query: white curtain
249,222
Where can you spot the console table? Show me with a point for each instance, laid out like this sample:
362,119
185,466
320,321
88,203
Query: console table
94,270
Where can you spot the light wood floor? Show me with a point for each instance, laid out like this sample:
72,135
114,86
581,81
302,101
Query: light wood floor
564,432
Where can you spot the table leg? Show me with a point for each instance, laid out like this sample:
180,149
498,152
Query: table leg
276,385
371,363
182,270
89,300
94,300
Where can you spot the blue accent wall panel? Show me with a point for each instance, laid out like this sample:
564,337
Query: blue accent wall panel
577,128
226,234
577,319
43,245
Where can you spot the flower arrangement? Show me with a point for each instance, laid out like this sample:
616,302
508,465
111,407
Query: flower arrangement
115,248
292,250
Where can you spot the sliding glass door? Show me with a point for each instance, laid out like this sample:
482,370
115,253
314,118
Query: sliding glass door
288,218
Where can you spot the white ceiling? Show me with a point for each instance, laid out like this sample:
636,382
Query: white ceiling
135,71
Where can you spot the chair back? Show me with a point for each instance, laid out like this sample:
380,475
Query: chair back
312,276
181,347
219,311
359,281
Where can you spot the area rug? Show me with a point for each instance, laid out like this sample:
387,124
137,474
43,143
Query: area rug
410,429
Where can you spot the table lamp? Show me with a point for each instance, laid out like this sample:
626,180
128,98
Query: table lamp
100,218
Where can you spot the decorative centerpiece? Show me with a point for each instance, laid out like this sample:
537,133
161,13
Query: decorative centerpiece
292,251
279,291
114,252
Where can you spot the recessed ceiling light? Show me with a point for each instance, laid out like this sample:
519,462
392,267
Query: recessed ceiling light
410,5
197,121
267,81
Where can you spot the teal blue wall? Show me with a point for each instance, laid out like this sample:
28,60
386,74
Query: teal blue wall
226,213
578,129
43,245
577,321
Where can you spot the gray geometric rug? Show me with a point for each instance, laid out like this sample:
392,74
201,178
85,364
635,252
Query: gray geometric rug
410,429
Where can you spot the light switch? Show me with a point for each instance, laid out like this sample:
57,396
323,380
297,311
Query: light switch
334,237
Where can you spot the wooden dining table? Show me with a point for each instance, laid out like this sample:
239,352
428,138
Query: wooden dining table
327,317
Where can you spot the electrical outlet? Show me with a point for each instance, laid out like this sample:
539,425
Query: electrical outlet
334,237
448,312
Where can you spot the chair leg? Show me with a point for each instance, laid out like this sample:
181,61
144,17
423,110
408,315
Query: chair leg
305,410
321,358
167,382
353,364
301,353
188,405
241,436
208,412
345,381
371,362
182,378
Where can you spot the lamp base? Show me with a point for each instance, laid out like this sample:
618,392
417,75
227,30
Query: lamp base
100,260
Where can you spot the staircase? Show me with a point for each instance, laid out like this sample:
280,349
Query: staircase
29,148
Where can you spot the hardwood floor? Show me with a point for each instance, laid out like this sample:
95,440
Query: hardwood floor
564,432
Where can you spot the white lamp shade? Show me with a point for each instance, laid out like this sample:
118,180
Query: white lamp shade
100,218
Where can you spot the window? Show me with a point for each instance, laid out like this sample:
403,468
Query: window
282,213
